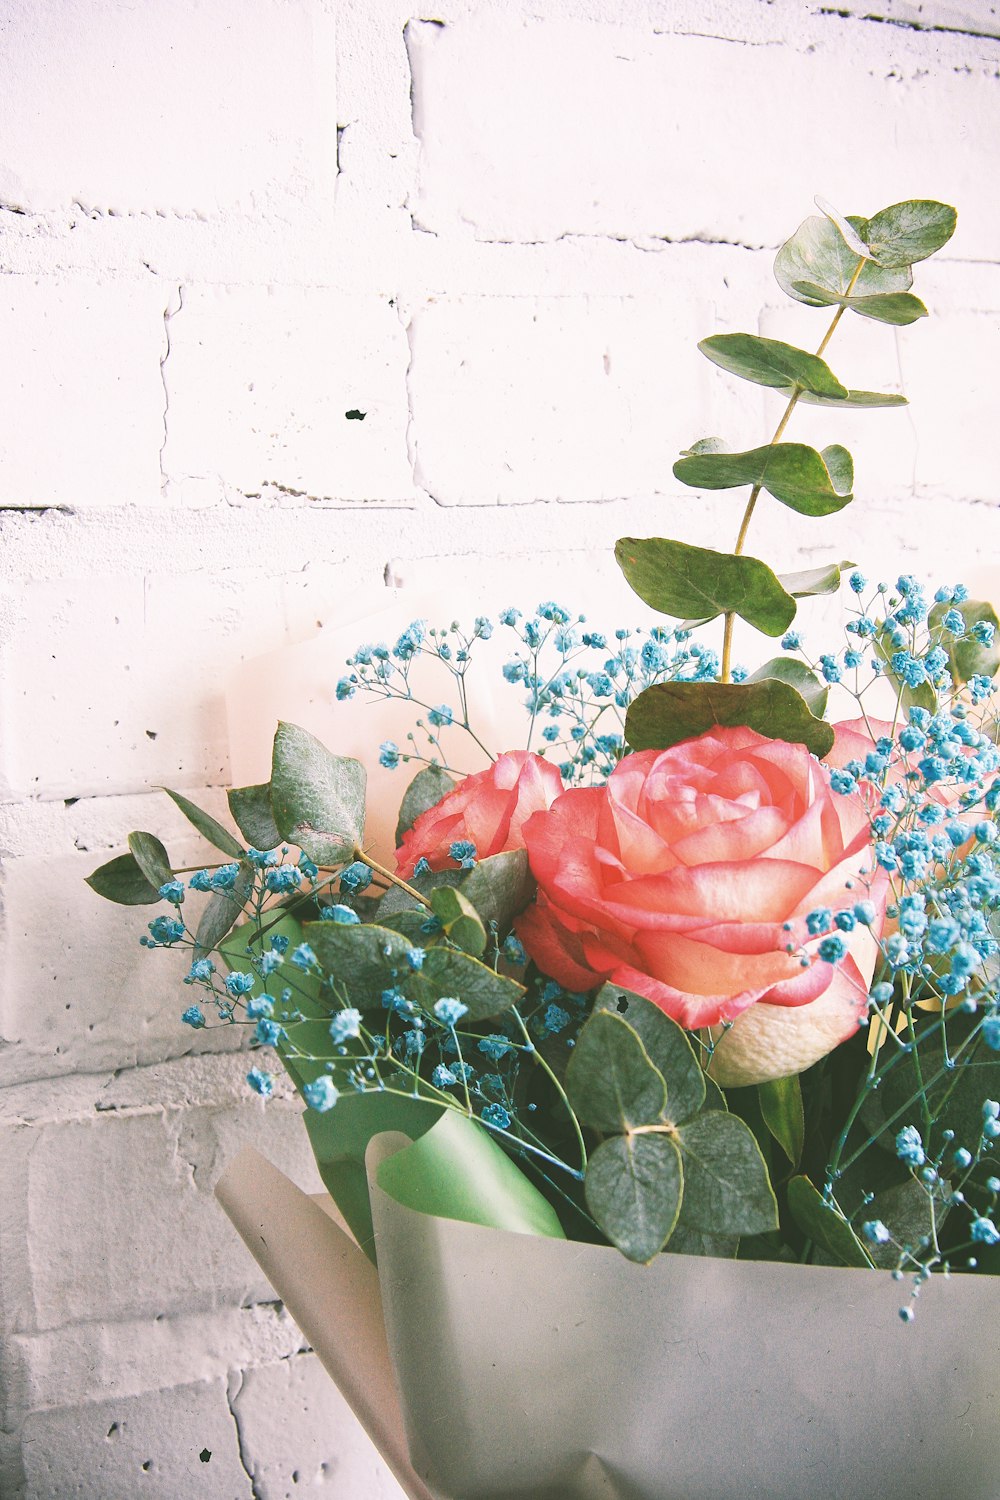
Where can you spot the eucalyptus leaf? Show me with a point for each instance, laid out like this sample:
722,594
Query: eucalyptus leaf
459,919
498,887
683,581
910,231
424,792
816,266
318,798
906,1210
633,1188
822,1223
686,1241
207,826
363,958
483,992
793,473
857,400
726,1186
772,363
122,881
151,857
840,467
781,1106
844,227
666,1045
670,712
813,581
795,672
611,1082
897,308
254,816
966,656
223,910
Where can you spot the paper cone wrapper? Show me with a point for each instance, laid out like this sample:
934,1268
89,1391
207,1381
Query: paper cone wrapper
490,1364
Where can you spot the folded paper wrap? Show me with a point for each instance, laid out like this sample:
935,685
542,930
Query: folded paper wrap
492,1365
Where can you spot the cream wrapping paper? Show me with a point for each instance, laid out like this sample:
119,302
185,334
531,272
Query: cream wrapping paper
542,1369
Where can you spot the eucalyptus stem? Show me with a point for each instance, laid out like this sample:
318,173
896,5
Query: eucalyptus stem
373,864
793,400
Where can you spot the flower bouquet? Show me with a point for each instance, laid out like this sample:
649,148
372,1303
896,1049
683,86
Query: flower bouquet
656,1033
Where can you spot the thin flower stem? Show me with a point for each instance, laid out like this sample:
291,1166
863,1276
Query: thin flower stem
373,864
557,1086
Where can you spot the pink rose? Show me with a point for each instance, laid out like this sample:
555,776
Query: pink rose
488,809
687,877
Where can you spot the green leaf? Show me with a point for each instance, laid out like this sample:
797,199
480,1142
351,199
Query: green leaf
251,809
318,798
823,1224
815,266
633,1188
459,919
726,1186
813,581
845,228
249,941
424,792
910,231
666,1045
686,1241
410,923
897,308
151,857
670,712
499,887
771,363
905,1209
484,992
860,400
805,682
222,911
122,881
966,656
364,959
206,825
683,581
793,473
781,1105
840,467
611,1082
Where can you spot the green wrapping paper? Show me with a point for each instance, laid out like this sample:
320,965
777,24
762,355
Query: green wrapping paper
529,1367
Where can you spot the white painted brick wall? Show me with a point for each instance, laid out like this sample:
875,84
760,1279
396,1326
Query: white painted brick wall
499,233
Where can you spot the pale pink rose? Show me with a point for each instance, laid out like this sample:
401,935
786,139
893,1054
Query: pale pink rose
686,878
488,810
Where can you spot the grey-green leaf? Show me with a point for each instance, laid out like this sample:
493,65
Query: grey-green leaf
459,919
499,887
254,816
772,363
805,682
793,473
780,1102
840,467
424,792
318,798
813,581
726,1186
611,1082
822,1223
207,826
897,308
633,1188
122,881
363,958
669,712
666,1045
844,227
816,266
151,857
483,992
858,400
222,911
910,231
686,581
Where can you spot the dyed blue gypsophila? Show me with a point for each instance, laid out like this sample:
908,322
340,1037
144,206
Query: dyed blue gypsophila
843,782
268,1033
193,1017
510,616
441,716
200,972
853,659
513,950
172,891
906,666
415,958
791,641
410,641
449,1010
830,668
550,733
984,632
463,851
356,877
345,1024
483,627
260,1005
263,858
912,738
496,1115
555,1019
858,582
388,755
984,1232
163,932
845,921
239,983
201,880
262,1083
496,1047
991,1032
910,1147
225,877
881,993
515,671
321,1095
818,921
832,949
337,913
303,957
962,1158
555,613
875,1232
443,1077
279,943
600,684
866,912
411,1044
346,687
282,879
